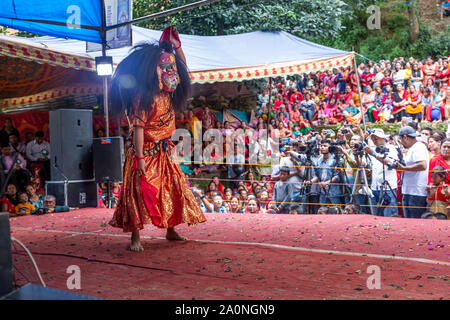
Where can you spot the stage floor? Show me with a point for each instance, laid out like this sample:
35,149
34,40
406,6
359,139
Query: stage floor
244,257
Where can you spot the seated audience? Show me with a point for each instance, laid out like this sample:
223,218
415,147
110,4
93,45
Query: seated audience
10,199
24,207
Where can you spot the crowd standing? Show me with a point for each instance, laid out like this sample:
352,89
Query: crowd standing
350,171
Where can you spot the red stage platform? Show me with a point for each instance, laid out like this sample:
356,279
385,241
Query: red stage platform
244,257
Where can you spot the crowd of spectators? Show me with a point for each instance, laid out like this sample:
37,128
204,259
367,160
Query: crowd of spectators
24,168
350,171
386,175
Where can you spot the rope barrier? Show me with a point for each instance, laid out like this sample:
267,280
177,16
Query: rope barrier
232,180
291,166
344,204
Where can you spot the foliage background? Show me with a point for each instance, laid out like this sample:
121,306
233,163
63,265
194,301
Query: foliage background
337,23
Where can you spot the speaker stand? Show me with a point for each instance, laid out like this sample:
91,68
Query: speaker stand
108,188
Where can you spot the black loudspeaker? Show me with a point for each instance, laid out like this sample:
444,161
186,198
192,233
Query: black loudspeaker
109,157
6,270
75,194
71,145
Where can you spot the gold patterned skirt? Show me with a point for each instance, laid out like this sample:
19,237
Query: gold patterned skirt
160,197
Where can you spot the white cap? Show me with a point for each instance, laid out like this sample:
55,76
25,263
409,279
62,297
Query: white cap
379,133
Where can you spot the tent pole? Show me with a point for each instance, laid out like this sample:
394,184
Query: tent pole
269,107
105,103
105,78
359,92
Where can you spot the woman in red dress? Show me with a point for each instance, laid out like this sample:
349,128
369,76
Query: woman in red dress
151,83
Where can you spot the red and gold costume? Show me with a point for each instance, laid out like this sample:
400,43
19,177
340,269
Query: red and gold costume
161,197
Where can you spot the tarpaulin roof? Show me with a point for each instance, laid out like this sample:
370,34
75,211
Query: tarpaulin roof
210,59
54,17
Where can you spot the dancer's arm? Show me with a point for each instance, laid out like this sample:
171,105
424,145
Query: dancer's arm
180,53
177,46
138,141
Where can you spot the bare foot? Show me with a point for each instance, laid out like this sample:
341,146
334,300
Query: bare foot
173,235
135,242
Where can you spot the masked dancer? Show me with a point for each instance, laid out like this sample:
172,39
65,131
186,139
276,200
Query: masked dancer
151,84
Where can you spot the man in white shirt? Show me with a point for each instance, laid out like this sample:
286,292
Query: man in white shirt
415,175
38,152
389,198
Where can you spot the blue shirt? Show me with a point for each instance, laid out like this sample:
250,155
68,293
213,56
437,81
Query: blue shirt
222,209
325,171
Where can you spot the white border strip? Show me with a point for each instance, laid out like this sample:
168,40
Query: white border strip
269,245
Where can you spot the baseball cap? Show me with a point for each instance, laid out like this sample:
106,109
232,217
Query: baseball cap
379,133
408,131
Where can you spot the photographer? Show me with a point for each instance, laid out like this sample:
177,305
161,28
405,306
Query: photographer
415,175
306,157
294,178
327,176
382,157
354,160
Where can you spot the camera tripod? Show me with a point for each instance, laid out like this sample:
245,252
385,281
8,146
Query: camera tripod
361,173
384,188
309,209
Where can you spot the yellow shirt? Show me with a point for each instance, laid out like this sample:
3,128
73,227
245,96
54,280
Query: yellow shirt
196,126
407,74
24,208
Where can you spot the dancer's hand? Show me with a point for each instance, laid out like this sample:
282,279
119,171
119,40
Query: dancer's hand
174,38
141,167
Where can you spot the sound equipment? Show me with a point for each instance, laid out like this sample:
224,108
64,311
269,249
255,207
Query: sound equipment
71,145
34,292
109,157
73,193
6,271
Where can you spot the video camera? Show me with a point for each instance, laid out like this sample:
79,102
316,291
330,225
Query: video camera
334,146
309,147
382,150
305,151
358,148
40,211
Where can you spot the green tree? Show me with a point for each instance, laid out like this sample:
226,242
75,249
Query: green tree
305,18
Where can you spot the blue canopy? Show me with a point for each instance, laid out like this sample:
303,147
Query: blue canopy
54,17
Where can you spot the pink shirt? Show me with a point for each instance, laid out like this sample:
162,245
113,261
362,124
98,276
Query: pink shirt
8,162
295,116
368,100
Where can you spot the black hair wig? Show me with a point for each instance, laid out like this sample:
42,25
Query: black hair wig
136,77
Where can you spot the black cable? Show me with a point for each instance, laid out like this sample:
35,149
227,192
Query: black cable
101,261
14,266
122,264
